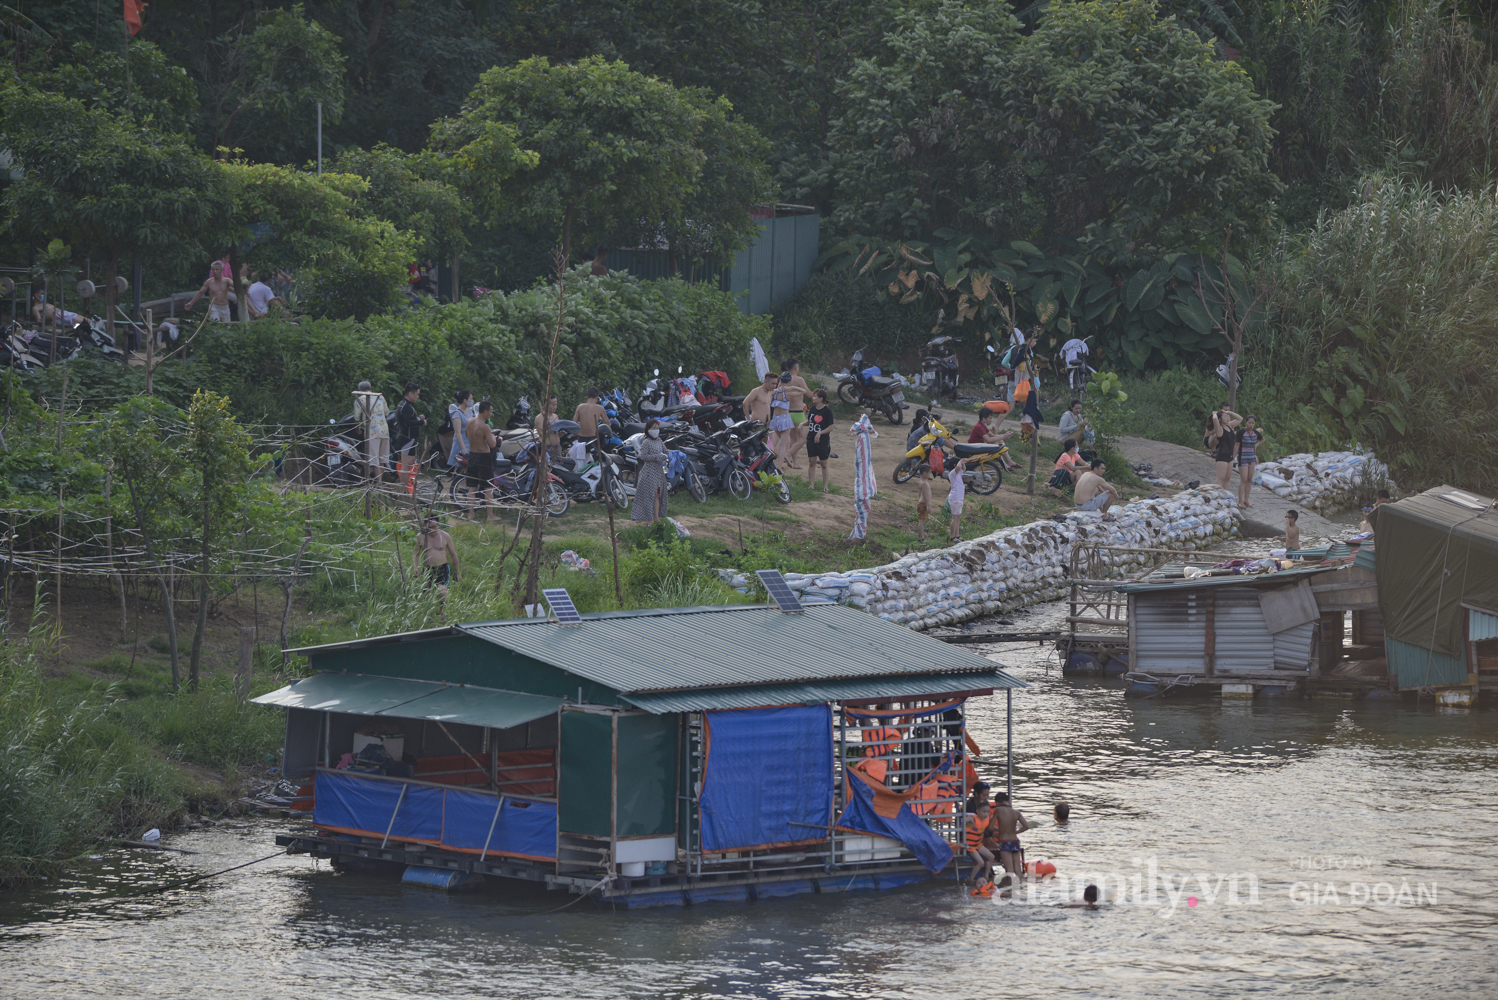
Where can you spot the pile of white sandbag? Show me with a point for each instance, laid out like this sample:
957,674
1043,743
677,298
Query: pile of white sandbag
1016,566
1325,482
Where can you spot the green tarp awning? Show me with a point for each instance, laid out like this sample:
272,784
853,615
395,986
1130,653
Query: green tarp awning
1436,551
360,694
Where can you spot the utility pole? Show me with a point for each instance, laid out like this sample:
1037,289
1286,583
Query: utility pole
319,138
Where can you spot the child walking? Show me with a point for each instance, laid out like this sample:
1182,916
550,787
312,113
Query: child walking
923,505
955,497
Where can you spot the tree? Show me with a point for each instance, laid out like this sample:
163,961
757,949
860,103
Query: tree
104,184
735,178
407,190
142,84
261,87
346,261
139,436
612,147
1107,124
217,452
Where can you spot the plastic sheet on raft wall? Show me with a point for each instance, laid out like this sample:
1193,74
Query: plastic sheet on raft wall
1015,567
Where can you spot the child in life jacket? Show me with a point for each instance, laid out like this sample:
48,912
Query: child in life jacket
977,826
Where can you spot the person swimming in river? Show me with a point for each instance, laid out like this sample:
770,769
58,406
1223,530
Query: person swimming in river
1089,900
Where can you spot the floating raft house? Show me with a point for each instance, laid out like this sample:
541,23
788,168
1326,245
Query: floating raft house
660,757
1259,626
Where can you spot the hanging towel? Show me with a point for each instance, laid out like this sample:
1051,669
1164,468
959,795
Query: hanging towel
757,355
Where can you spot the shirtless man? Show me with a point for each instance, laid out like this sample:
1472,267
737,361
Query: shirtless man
481,446
757,403
217,288
45,312
1093,492
1006,826
589,415
434,548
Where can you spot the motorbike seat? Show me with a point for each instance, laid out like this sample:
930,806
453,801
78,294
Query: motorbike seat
973,450
631,429
880,381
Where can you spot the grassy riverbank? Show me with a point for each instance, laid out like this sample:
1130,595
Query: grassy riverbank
99,747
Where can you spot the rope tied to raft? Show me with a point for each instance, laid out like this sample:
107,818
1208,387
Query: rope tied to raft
581,896
199,878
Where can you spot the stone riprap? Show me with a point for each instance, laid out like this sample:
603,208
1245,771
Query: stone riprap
1326,482
1014,567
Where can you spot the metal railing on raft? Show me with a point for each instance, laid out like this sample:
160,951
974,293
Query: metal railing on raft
912,759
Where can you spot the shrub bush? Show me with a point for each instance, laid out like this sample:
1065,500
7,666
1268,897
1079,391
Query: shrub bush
616,330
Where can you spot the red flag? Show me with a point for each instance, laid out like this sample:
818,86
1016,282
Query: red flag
133,11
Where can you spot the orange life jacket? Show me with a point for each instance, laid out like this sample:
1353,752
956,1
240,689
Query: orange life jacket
976,825
943,789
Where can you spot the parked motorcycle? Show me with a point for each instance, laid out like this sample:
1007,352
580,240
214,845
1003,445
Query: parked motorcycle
342,454
1078,371
513,483
718,457
759,461
985,468
939,366
593,477
871,389
936,438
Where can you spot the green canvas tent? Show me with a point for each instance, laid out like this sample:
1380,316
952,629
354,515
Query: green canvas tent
1437,564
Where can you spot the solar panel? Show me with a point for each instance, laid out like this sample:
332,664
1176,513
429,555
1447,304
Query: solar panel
562,608
780,592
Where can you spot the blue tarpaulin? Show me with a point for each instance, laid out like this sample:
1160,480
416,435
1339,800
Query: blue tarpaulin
447,817
767,779
927,846
356,804
524,829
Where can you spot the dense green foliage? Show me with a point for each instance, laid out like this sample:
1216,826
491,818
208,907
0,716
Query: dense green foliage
616,330
1105,123
1124,143
1387,313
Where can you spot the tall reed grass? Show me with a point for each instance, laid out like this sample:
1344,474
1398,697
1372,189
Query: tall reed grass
1385,331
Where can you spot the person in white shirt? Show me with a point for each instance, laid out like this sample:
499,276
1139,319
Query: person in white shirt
369,409
262,297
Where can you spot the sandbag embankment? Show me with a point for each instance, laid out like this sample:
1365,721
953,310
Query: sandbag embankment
1325,482
1014,567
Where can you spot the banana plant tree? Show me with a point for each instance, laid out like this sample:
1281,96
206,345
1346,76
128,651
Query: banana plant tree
1144,314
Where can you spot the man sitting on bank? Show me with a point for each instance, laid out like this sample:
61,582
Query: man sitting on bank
1093,491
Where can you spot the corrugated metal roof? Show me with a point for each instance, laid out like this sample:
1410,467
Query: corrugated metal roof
818,692
671,649
393,697
1155,583
1481,625
375,640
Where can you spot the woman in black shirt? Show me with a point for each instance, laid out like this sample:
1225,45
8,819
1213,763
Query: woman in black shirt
818,444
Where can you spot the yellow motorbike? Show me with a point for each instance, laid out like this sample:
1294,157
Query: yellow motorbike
936,436
985,469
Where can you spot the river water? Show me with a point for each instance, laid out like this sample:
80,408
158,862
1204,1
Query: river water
1238,816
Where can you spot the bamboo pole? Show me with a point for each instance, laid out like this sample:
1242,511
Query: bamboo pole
150,350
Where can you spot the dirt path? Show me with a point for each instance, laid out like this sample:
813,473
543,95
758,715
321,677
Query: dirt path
831,514
1264,519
